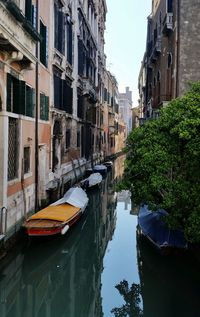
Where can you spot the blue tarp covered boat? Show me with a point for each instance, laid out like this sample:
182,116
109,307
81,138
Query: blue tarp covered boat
153,226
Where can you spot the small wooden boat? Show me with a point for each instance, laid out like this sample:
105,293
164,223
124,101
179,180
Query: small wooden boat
59,216
102,169
92,181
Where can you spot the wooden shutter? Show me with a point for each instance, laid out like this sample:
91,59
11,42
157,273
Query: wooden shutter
22,97
42,106
47,47
29,102
46,108
69,42
9,87
28,10
43,44
19,96
64,96
60,31
57,92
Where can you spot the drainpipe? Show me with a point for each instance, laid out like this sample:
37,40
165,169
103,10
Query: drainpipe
177,46
36,113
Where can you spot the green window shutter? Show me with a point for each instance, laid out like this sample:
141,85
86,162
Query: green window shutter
29,102
28,10
22,97
46,47
43,46
16,96
9,85
42,106
33,102
46,108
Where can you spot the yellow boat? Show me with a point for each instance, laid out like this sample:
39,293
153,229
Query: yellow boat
58,217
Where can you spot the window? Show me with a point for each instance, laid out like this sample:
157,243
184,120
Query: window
80,110
67,139
69,40
44,107
169,6
13,154
63,94
27,152
44,44
59,28
20,97
81,58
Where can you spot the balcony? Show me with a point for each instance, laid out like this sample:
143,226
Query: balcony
156,50
168,23
89,90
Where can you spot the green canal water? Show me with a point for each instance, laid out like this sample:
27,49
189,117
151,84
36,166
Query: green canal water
101,268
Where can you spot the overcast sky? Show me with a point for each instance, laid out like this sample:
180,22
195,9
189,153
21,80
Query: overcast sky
125,35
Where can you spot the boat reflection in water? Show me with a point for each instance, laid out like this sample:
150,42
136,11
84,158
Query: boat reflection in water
62,277
169,285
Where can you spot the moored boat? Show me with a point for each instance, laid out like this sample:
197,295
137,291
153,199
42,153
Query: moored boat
59,216
153,226
100,168
92,181
108,164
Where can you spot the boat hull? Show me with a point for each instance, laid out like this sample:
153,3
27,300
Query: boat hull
51,231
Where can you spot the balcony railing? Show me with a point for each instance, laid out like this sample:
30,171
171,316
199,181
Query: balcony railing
88,89
156,50
168,23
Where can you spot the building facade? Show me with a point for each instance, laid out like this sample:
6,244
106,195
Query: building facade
25,84
125,108
171,59
52,95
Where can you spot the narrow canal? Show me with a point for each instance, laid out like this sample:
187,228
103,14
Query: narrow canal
99,269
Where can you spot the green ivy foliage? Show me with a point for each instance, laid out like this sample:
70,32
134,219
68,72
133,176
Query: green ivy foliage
162,167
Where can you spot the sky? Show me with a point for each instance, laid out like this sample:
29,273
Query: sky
125,37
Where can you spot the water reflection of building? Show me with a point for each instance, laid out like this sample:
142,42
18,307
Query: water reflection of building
62,277
169,285
124,196
118,168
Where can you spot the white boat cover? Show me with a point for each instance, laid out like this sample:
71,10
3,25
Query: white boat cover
75,196
109,163
100,167
94,179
